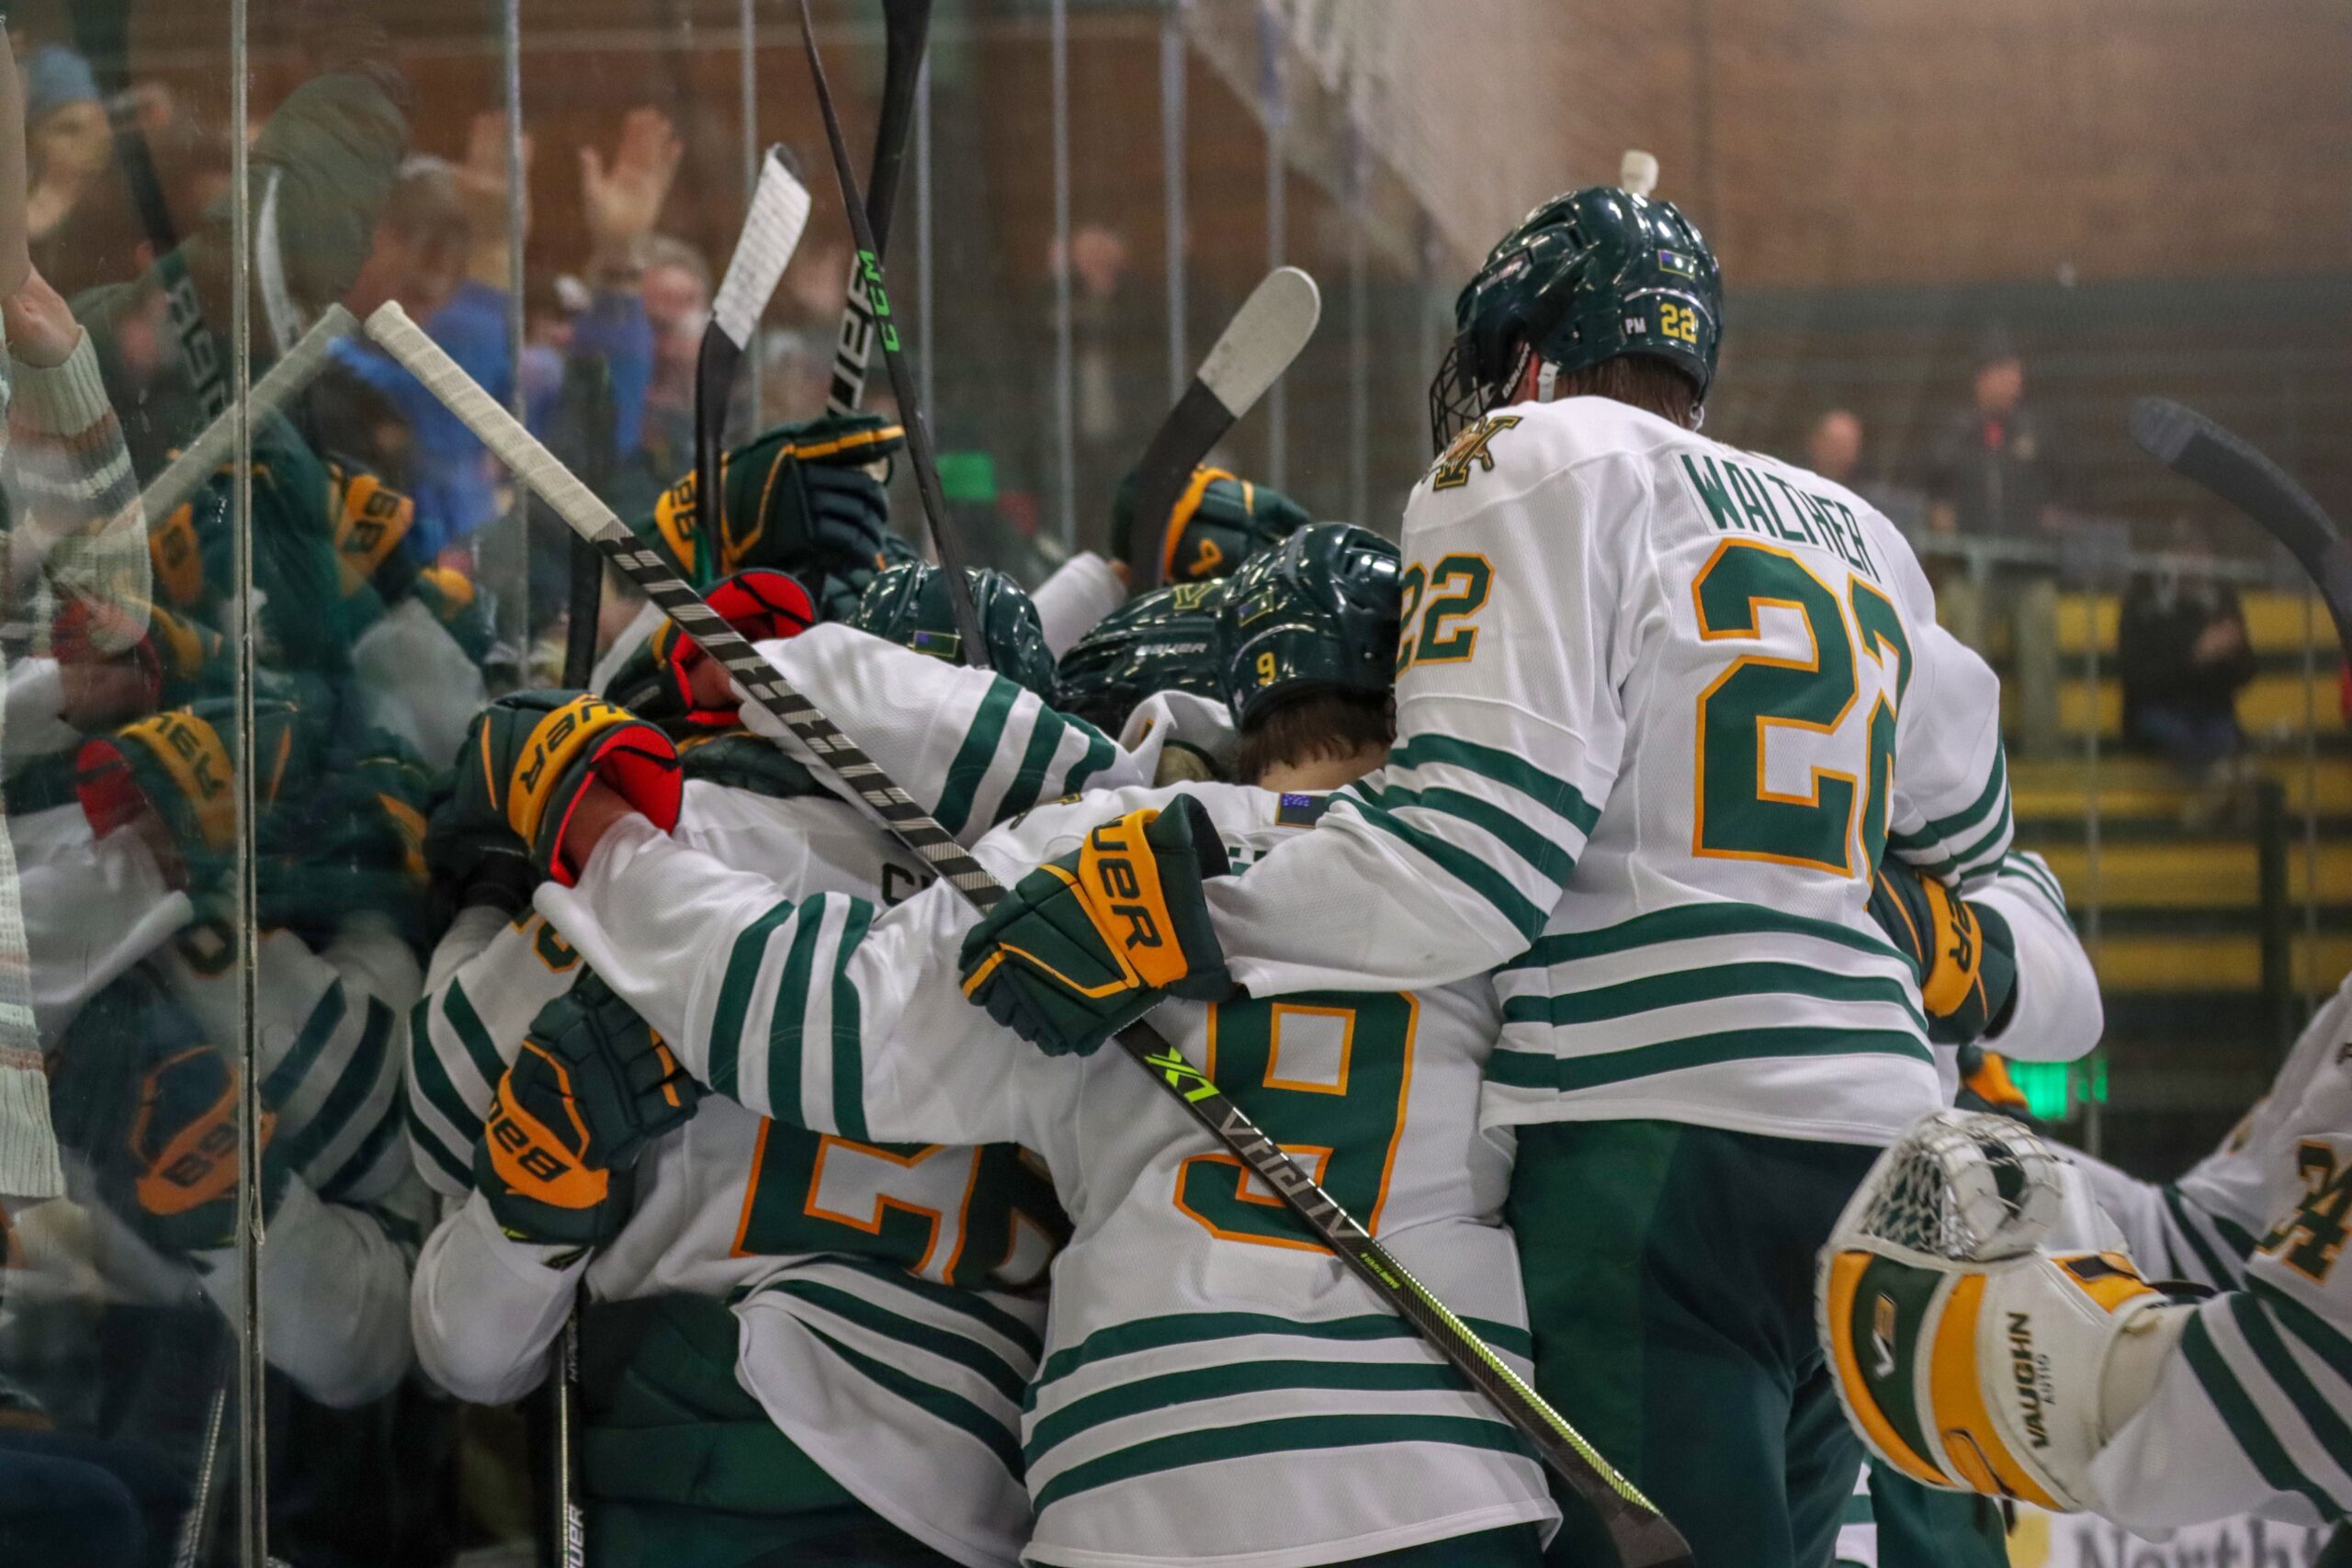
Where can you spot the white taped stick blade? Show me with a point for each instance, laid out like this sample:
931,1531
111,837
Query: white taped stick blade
770,233
1262,338
284,381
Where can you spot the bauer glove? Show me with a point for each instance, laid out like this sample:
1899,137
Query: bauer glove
178,765
183,1147
1087,943
592,1086
799,499
1962,953
528,758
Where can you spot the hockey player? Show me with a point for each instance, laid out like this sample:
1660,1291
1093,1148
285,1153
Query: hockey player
1216,1390
1148,671
1661,707
883,1330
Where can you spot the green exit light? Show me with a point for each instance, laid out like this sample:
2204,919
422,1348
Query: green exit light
2052,1090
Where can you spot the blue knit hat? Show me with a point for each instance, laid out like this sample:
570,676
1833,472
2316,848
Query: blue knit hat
55,78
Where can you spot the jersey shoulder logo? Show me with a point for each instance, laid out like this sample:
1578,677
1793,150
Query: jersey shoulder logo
1452,470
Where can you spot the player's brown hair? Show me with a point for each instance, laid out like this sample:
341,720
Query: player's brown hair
1315,730
1646,383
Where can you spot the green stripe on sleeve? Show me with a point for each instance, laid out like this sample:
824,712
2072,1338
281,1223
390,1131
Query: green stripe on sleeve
360,1076
1942,828
977,753
1568,1074
1549,860
427,1073
2327,1342
1290,1434
977,1358
735,998
1100,750
1037,761
303,1054
849,1050
1555,794
423,1137
480,1049
1651,992
363,1159
953,1409
789,1024
2217,1273
1462,867
2243,1417
1236,1378
2262,1336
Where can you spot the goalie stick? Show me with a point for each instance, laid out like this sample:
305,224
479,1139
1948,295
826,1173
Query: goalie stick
2196,448
906,24
1644,1538
213,445
1256,347
885,334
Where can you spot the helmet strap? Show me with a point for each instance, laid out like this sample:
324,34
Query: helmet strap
1547,377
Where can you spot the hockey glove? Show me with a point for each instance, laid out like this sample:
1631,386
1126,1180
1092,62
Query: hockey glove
528,758
183,1147
1969,1355
1962,953
800,498
736,758
592,1086
177,765
1086,944
355,846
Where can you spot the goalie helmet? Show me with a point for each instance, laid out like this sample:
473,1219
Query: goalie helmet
910,605
1318,614
1585,277
1160,641
1218,522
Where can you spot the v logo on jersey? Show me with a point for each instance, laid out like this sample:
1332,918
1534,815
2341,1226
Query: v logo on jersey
1452,470
1882,1339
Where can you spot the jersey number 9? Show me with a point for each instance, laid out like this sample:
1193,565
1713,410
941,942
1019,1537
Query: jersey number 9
1330,1070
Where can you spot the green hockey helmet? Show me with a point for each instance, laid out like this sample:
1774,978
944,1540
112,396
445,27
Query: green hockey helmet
1160,641
910,605
1318,614
1219,522
1585,277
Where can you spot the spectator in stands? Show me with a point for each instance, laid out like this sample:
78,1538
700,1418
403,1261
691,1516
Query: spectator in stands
1993,482
67,137
2185,656
676,285
1834,449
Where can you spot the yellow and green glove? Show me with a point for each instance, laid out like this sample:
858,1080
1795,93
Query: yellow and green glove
1962,953
1087,943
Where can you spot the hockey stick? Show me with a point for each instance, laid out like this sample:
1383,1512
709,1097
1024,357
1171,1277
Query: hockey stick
1256,347
886,334
905,25
2196,448
770,233
1644,1538
185,474
102,37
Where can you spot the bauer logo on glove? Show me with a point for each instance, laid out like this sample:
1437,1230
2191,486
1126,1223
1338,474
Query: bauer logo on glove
1085,944
530,756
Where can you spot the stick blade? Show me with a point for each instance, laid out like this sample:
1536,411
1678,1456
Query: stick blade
770,233
1263,339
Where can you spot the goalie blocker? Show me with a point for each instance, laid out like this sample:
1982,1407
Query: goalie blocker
1969,1355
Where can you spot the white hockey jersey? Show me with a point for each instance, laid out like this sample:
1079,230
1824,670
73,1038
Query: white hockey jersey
1661,704
888,1326
2253,1411
1216,1388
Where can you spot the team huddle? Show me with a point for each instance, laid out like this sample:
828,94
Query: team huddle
1594,893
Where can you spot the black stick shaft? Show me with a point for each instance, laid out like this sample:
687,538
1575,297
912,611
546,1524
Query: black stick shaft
943,538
